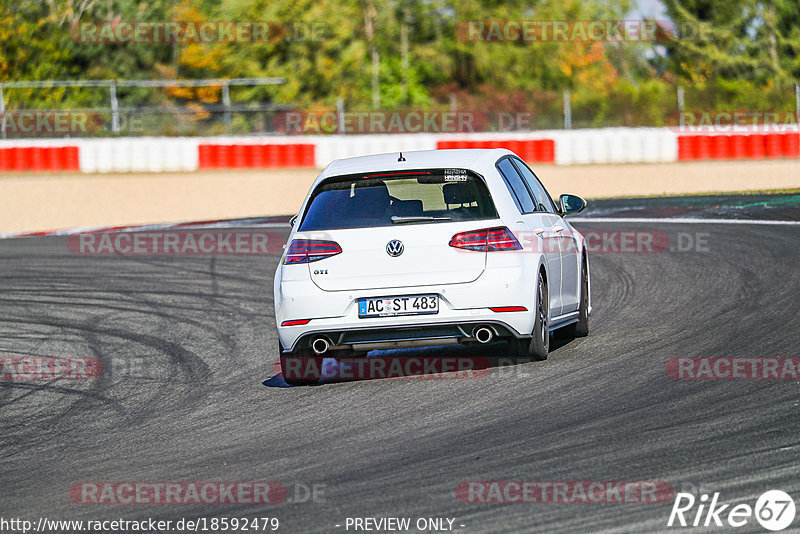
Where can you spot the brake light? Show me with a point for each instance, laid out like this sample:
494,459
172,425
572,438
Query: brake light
308,250
488,240
295,322
396,174
509,309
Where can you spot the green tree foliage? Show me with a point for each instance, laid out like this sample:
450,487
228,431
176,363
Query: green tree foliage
757,40
743,54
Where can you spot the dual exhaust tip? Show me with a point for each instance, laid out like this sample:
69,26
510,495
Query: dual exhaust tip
482,334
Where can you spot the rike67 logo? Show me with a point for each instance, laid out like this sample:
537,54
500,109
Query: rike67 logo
774,510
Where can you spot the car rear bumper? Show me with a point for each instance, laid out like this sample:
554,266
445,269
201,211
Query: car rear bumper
449,325
363,338
461,307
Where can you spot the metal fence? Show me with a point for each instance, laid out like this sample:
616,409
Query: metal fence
132,108
136,120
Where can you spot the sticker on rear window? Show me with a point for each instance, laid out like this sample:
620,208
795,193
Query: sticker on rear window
455,175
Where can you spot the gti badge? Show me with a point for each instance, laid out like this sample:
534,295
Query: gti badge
394,247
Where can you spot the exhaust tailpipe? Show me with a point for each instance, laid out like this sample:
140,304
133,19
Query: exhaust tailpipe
483,334
320,346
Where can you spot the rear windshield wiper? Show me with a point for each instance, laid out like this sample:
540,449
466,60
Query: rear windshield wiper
421,218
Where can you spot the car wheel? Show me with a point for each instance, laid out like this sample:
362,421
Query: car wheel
300,368
538,346
581,328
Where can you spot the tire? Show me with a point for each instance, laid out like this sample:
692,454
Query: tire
581,328
300,368
538,346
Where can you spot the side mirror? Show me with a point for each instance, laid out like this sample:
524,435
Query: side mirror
571,204
293,220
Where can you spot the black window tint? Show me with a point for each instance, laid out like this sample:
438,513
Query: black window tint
543,200
419,197
516,186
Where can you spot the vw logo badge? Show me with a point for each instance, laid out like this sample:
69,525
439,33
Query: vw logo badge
394,247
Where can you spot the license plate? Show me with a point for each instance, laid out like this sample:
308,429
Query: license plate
394,306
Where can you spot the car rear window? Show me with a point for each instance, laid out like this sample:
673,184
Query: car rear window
386,199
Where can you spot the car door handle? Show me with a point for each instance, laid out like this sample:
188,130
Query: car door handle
559,229
539,231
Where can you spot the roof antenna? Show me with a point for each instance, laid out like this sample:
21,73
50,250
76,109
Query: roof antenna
401,158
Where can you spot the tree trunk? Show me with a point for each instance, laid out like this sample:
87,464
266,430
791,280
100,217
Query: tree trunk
369,27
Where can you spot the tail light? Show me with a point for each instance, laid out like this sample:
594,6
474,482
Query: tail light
308,250
488,240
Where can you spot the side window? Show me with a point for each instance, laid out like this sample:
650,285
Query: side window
543,200
516,186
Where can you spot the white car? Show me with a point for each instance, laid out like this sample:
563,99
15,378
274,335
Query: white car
428,248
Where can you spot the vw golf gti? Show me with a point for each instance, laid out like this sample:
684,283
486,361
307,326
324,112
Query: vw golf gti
425,249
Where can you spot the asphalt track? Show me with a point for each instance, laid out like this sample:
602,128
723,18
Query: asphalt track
189,392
